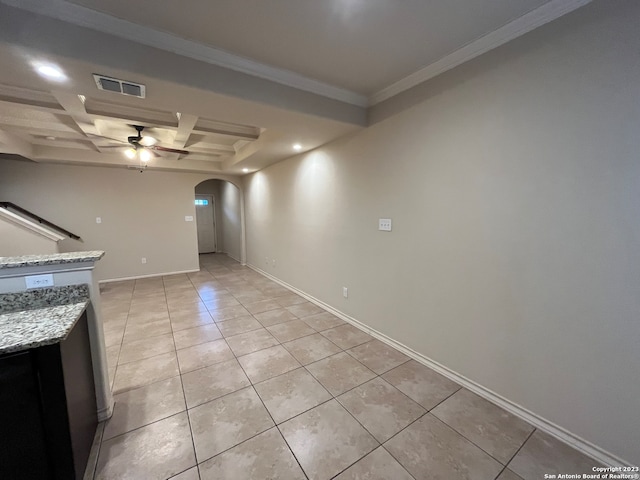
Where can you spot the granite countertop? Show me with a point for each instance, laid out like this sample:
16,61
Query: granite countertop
40,317
36,328
51,259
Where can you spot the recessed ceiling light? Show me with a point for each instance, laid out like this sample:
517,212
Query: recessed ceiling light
50,71
297,147
245,170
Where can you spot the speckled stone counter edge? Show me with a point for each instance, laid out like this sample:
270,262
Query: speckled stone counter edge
36,328
43,297
52,259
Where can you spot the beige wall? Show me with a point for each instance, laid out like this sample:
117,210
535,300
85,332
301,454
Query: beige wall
143,214
513,183
231,218
228,217
16,240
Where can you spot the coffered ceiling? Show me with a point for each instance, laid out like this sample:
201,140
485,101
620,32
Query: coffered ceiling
236,83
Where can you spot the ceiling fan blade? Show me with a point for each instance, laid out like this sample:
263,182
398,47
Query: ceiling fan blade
169,150
119,140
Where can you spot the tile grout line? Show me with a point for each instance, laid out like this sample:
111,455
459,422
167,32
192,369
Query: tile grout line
427,411
236,358
506,465
252,384
111,384
470,440
184,395
273,419
334,397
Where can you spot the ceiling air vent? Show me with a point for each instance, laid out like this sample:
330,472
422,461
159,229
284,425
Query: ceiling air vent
119,86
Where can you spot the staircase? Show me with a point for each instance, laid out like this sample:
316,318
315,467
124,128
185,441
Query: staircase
24,233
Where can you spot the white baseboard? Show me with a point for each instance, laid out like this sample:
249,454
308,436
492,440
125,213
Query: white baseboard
92,461
106,412
232,256
562,434
220,252
152,275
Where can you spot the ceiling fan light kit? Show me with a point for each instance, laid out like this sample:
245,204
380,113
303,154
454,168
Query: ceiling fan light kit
145,155
130,153
144,147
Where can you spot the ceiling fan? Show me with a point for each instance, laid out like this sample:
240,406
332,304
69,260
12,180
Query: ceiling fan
145,147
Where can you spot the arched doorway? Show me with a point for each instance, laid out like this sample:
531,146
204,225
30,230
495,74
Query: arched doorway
220,218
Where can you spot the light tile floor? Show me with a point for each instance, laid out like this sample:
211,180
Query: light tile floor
224,374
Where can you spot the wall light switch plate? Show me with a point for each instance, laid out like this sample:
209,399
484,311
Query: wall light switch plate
384,224
39,281
188,218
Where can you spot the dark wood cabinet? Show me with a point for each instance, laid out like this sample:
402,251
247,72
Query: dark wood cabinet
48,409
22,448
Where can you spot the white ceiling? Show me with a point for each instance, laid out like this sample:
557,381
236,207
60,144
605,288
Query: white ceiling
249,77
359,45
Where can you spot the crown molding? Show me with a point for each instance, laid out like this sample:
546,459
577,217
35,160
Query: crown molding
529,21
102,22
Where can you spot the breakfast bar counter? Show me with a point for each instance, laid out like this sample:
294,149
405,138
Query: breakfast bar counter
40,317
48,414
54,384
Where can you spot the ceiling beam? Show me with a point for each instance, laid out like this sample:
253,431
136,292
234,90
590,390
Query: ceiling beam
72,156
10,143
10,102
75,109
250,149
186,124
228,132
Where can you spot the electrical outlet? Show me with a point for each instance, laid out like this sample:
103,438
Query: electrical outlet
273,262
143,260
39,281
345,292
384,224
98,220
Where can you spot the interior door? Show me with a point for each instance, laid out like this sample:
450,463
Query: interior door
206,224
